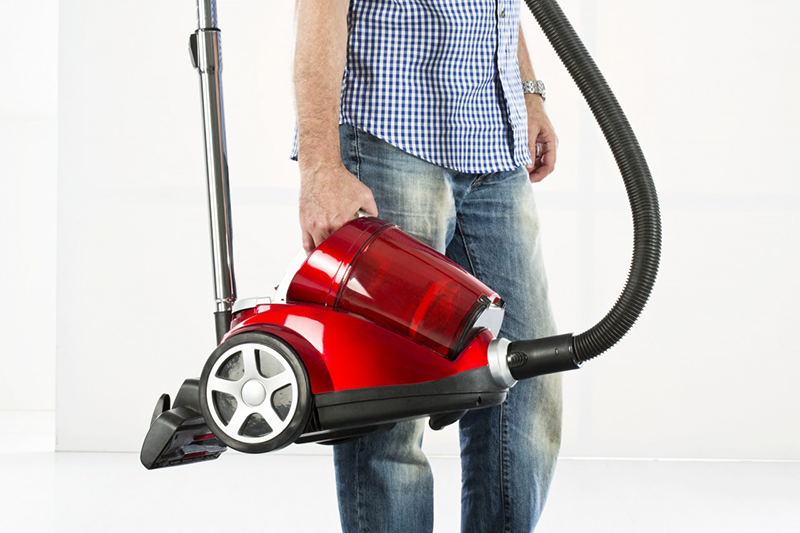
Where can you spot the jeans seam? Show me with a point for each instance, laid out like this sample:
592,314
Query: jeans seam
359,497
504,488
460,230
357,153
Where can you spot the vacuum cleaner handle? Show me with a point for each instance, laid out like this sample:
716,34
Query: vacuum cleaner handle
566,352
204,47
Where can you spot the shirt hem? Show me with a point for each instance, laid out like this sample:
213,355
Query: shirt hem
513,164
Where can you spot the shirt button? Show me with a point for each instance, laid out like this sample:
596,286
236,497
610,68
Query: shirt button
503,14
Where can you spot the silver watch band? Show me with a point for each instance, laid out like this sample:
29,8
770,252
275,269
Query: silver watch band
534,87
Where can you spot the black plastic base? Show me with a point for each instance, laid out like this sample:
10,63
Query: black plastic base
443,420
382,405
179,435
332,437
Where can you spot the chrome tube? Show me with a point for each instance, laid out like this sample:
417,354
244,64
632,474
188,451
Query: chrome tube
206,14
207,58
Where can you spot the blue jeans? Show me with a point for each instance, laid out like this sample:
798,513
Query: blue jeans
487,223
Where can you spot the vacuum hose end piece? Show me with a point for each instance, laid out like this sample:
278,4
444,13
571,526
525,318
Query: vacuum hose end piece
530,358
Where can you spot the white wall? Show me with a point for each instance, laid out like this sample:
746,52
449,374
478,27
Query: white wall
135,286
707,372
28,96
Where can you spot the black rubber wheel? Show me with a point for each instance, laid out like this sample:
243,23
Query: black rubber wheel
254,393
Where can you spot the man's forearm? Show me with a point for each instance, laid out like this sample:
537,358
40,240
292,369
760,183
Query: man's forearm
525,66
319,60
329,194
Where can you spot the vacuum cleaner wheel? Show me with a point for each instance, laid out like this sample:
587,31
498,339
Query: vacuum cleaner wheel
254,393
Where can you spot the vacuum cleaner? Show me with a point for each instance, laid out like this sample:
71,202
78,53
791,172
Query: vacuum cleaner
374,327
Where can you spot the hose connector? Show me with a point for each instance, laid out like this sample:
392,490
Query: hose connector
527,359
497,354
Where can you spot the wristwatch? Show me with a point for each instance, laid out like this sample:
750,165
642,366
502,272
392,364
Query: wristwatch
534,87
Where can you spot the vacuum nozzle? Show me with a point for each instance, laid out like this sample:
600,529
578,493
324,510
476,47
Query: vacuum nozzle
530,358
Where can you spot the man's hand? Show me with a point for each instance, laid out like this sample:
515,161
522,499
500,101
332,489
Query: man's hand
542,139
329,198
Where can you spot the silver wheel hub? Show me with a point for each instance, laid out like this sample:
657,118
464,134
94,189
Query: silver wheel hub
252,393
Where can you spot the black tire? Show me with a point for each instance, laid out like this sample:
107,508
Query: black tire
222,416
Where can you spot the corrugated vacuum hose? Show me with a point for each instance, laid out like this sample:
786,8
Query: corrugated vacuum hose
566,352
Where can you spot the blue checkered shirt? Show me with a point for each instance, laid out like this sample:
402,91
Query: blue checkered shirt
438,79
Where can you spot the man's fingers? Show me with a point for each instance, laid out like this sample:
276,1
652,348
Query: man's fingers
542,171
321,234
545,164
367,201
533,142
308,243
314,232
543,143
549,157
537,176
369,206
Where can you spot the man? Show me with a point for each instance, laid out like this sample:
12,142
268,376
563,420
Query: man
413,110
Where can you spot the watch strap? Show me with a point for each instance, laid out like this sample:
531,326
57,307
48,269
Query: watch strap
534,87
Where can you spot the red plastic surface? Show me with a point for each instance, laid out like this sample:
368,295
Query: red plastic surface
317,281
342,351
372,269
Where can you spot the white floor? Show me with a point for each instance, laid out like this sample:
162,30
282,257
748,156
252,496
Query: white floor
42,491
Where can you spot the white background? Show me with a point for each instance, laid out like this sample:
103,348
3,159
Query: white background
106,274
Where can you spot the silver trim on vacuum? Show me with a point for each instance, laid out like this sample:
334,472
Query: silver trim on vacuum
497,354
491,318
250,303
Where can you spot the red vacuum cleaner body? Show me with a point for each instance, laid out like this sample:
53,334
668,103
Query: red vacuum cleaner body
376,327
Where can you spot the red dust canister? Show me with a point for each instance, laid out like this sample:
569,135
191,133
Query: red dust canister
372,269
